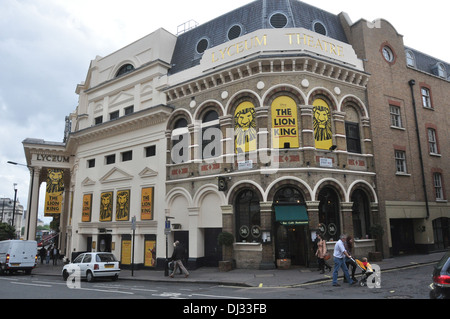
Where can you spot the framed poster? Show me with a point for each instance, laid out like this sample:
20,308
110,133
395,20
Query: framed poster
150,251
86,208
54,192
123,205
147,203
106,205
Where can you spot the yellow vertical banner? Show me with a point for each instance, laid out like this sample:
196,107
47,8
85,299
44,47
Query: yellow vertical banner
323,134
126,252
147,203
54,192
245,128
150,253
123,205
106,205
284,123
86,208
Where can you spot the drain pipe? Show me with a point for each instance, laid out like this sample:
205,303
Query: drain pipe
411,85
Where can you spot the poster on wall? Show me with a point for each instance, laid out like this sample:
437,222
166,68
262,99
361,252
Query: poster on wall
147,203
86,208
284,123
245,128
323,134
106,205
54,192
123,205
150,253
125,258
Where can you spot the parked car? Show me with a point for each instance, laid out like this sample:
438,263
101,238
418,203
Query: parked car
18,255
93,265
440,288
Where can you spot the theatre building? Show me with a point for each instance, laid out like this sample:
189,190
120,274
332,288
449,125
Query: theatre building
258,123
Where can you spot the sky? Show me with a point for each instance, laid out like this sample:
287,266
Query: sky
46,47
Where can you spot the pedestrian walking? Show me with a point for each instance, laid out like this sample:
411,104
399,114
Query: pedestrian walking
339,261
55,256
321,254
42,254
348,261
177,256
47,256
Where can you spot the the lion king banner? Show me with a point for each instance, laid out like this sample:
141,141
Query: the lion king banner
54,192
123,205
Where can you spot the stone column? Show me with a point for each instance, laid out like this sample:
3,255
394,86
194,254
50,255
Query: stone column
227,226
33,204
268,249
347,219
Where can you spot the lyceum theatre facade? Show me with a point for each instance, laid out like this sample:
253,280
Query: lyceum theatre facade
255,123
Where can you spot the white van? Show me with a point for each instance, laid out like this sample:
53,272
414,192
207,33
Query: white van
18,255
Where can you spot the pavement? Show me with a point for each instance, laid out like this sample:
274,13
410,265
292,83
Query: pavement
293,277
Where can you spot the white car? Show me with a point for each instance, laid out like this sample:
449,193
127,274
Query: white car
93,265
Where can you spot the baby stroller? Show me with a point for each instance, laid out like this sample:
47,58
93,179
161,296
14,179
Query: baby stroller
366,272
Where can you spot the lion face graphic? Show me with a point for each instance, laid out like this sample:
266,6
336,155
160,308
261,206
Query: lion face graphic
245,128
322,123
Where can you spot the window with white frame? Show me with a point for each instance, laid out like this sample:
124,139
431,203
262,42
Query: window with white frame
438,186
410,59
441,71
432,141
400,161
426,97
396,119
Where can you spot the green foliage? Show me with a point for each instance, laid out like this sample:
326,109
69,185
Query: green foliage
376,231
6,231
225,239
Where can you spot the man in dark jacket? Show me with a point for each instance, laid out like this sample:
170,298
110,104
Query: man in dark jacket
177,256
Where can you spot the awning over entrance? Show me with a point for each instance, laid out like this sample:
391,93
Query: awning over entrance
291,215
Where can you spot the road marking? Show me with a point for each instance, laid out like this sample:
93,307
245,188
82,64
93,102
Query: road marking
103,290
27,284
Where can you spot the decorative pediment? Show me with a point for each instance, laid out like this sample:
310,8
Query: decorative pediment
87,182
115,175
148,172
122,97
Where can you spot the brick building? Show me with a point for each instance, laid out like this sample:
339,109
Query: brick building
411,157
273,122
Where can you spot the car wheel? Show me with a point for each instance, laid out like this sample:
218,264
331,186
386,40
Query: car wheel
65,275
115,277
89,276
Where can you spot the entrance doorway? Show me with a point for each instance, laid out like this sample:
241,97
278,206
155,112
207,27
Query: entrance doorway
402,234
291,243
104,242
213,251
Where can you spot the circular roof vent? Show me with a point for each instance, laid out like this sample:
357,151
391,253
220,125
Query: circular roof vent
278,20
202,45
319,27
234,32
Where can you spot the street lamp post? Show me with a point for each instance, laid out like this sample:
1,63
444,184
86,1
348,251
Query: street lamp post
31,195
14,207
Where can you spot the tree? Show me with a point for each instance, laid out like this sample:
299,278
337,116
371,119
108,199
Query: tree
7,231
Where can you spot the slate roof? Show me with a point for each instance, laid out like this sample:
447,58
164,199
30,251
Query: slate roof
251,17
427,63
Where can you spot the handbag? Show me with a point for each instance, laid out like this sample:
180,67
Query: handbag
326,256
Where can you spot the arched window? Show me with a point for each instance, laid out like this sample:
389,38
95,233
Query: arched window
211,135
329,213
248,217
124,69
410,59
180,142
360,214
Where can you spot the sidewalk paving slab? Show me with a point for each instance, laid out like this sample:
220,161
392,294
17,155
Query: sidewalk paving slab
293,277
